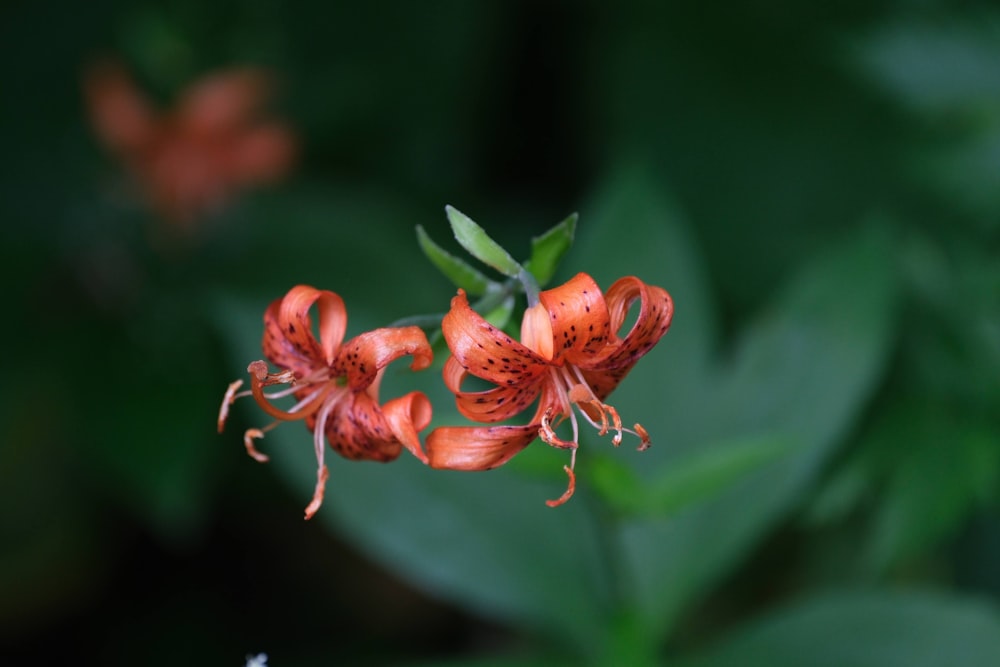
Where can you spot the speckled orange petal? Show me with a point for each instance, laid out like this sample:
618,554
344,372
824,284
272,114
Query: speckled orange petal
362,357
579,318
357,430
279,350
656,311
478,447
296,324
361,429
406,416
492,405
485,351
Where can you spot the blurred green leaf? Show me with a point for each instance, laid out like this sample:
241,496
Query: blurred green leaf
937,467
697,477
804,369
946,70
454,268
548,249
864,630
477,242
512,661
939,67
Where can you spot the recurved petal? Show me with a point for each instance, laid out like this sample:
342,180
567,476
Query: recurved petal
280,351
656,310
296,324
362,357
491,405
485,351
357,429
477,448
579,318
406,416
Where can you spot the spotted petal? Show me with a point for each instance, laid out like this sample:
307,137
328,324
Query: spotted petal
362,357
485,351
579,318
492,405
477,447
656,311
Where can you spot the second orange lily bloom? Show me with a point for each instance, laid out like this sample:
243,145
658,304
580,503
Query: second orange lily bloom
335,384
570,359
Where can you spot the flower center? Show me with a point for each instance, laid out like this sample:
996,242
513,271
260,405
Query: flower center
324,392
575,392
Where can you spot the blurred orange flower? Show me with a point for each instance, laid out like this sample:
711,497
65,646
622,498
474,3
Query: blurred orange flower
191,160
335,384
569,355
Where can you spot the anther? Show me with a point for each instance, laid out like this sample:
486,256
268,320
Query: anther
248,438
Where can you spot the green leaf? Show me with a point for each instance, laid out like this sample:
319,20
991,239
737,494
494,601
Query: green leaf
500,315
548,249
909,443
474,238
696,478
804,369
936,66
865,630
454,268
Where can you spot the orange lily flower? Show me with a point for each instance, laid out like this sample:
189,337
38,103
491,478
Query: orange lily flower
192,160
335,384
570,356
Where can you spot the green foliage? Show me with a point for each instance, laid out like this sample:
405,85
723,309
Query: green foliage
548,249
454,268
864,630
477,242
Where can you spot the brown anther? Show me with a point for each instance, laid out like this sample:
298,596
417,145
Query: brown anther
248,438
228,400
548,434
583,396
643,434
317,499
568,493
617,425
258,369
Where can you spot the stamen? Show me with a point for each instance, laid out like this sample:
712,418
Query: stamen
617,422
227,400
568,493
260,378
317,500
548,434
643,436
582,395
248,438
321,471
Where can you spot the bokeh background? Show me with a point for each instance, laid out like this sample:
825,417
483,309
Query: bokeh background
818,186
